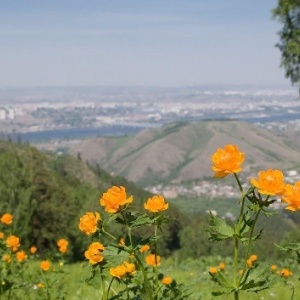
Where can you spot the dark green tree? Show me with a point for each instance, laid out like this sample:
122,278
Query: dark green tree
287,13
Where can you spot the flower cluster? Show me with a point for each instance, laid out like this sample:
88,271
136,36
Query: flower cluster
123,270
268,182
125,259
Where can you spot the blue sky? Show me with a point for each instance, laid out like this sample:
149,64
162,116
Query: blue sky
139,42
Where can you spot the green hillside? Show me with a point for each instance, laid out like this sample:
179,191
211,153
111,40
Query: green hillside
47,193
181,151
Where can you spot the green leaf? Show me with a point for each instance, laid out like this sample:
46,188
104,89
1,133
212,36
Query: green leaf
114,256
257,279
219,230
288,247
141,220
269,213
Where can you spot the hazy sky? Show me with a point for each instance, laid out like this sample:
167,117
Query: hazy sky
138,42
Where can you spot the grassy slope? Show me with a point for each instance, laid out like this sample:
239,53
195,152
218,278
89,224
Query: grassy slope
181,151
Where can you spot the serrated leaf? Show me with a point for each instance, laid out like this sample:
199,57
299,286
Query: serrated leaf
257,280
219,230
141,220
114,256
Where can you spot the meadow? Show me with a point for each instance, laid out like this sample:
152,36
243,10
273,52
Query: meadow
70,281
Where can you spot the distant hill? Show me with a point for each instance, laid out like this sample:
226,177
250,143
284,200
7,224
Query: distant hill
181,151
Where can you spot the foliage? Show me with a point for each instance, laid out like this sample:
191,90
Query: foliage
287,13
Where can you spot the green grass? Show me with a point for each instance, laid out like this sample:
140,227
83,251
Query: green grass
70,281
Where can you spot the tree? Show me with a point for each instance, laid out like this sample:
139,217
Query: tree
287,13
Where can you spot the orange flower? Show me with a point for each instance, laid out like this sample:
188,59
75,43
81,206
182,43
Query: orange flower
118,272
291,196
93,254
249,263
253,257
222,266
156,204
45,265
6,258
153,260
167,280
1,235
7,219
33,249
114,199
13,242
227,161
144,248
122,270
88,222
62,245
40,285
269,182
21,256
130,267
286,273
213,270
273,268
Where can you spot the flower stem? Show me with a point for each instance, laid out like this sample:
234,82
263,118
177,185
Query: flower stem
109,286
236,238
155,253
147,283
104,294
292,288
148,287
249,244
128,229
108,234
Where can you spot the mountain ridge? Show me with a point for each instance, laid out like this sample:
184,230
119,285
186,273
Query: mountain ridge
181,151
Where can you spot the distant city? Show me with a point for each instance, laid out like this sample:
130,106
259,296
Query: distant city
49,113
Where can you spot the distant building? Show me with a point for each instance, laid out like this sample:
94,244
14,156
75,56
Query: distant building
2,114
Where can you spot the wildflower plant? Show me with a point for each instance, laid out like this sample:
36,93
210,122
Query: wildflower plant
128,266
269,184
291,197
15,277
12,258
